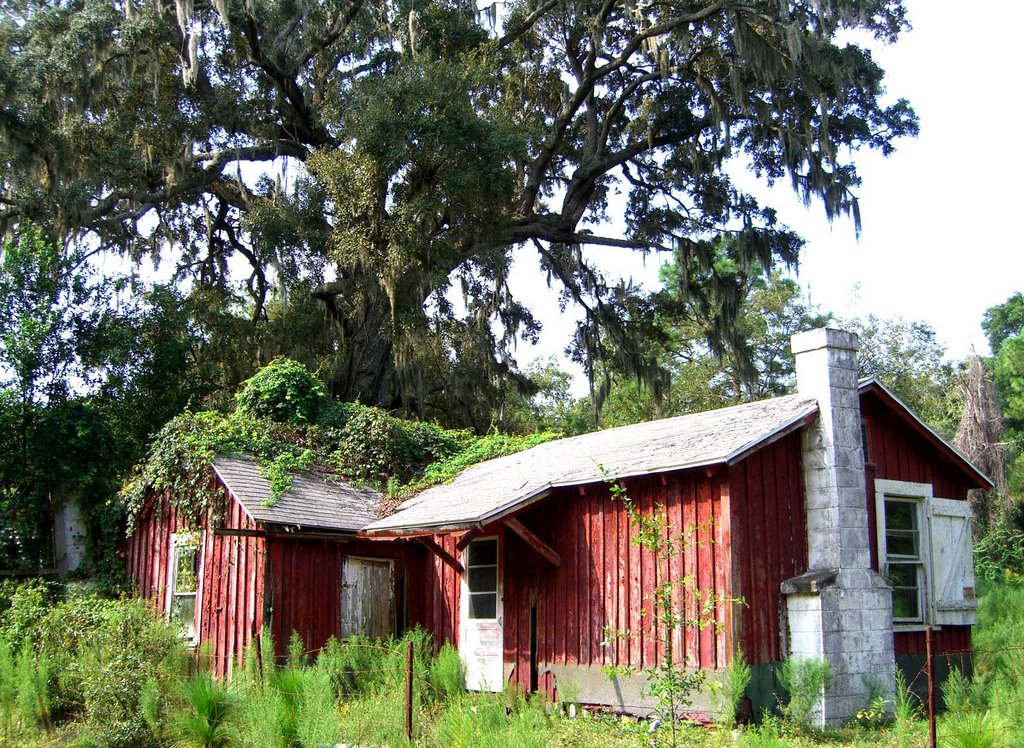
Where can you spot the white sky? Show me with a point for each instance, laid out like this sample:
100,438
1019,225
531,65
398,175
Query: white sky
938,243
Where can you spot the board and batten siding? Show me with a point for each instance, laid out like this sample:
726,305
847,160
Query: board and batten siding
248,578
230,584
304,586
604,581
769,542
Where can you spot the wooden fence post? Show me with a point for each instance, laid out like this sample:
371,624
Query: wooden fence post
408,691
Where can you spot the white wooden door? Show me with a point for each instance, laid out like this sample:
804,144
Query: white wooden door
481,640
367,597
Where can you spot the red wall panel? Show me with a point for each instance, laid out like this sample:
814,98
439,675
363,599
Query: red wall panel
768,540
301,579
895,452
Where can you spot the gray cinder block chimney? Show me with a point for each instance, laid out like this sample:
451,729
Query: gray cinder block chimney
840,609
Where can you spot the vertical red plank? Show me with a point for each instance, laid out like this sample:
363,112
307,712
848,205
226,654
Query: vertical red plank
690,569
760,601
705,572
235,592
610,543
721,567
207,600
551,619
571,562
156,549
660,497
634,604
583,579
245,575
674,499
622,585
596,501
232,570
648,581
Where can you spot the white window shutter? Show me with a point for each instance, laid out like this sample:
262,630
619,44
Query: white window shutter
952,562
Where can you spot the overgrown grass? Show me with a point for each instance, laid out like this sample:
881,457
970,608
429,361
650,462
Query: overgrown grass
65,682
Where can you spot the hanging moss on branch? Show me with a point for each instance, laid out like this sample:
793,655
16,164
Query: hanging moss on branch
285,421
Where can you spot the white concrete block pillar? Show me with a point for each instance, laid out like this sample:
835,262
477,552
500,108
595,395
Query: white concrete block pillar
840,609
837,515
69,536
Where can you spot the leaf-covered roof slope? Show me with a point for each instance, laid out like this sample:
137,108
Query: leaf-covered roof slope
312,501
489,490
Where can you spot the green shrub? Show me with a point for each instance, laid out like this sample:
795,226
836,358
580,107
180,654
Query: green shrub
23,604
263,715
204,719
104,651
906,711
8,692
284,391
733,687
972,729
803,678
375,446
32,685
318,710
999,555
448,674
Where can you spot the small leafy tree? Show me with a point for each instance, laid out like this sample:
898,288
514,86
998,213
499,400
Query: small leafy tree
284,391
669,683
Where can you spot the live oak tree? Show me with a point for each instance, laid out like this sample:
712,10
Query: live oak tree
374,156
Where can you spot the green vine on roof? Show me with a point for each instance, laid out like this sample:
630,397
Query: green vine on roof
288,425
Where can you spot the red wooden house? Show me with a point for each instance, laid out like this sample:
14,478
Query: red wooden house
293,565
836,515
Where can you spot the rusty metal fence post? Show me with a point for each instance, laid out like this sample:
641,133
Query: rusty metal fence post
931,686
408,690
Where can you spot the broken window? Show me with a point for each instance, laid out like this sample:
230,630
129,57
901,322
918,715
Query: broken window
184,582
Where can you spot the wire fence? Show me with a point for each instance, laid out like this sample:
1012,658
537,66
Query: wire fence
980,701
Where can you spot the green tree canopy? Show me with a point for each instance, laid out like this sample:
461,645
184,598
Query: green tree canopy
374,156
906,357
1003,321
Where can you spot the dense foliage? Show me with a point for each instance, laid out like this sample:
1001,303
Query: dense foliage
361,161
286,422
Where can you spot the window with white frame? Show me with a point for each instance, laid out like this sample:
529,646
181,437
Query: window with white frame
482,577
924,549
903,558
183,582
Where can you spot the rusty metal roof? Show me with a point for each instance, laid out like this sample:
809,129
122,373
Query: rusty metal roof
495,488
312,501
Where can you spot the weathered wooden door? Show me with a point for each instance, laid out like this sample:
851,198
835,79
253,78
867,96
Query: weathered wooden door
481,640
367,597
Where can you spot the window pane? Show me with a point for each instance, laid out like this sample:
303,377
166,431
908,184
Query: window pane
903,575
482,552
483,578
187,570
483,605
901,543
183,609
904,604
900,515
